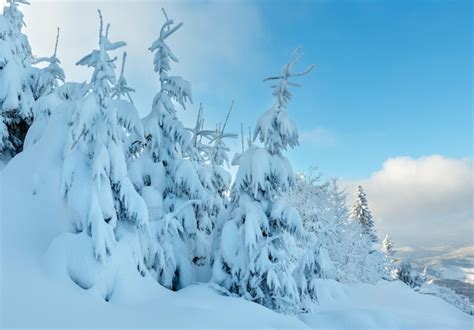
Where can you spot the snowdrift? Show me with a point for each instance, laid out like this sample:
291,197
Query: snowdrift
42,287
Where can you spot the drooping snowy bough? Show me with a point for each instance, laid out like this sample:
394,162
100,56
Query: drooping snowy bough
257,251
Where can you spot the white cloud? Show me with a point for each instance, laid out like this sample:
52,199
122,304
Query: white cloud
423,202
318,137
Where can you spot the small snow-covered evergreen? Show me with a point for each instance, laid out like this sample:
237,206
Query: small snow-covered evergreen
312,197
258,249
48,97
361,213
337,244
408,275
370,260
45,80
388,252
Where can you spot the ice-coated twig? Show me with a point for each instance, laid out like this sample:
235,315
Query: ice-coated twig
227,117
242,136
101,24
56,44
295,56
107,30
305,72
124,59
166,29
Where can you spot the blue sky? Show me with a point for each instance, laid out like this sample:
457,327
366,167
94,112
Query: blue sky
389,104
393,78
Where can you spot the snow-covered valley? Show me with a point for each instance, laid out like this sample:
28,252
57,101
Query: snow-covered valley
447,266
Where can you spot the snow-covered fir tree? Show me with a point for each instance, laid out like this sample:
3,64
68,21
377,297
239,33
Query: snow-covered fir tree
387,246
211,159
258,249
311,199
338,245
371,265
175,189
121,88
361,213
218,158
388,252
95,181
333,224
408,275
45,80
16,96
128,117
44,83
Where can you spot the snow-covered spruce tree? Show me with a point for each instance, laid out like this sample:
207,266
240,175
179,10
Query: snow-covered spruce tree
215,160
408,275
44,82
168,179
219,157
311,198
371,262
361,213
16,97
257,252
127,113
324,214
210,158
95,182
388,252
331,232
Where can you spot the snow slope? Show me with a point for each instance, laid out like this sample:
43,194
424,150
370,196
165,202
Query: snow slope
387,305
41,287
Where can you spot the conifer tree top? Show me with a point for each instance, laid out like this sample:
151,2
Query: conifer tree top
274,128
361,214
13,14
163,53
104,67
121,88
174,87
387,245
